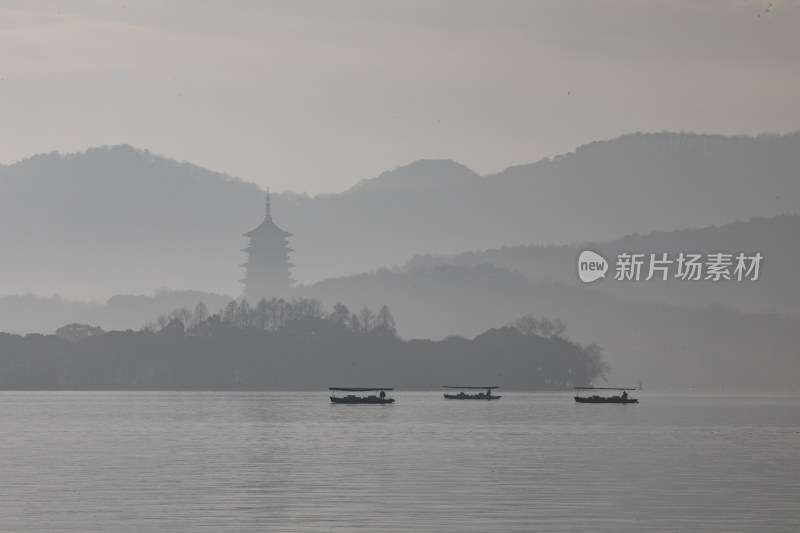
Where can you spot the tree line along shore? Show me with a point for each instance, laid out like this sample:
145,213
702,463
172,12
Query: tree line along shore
292,345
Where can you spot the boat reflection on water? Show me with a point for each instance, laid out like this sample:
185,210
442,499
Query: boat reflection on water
595,398
377,398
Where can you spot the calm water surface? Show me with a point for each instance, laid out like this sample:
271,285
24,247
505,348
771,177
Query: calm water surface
210,461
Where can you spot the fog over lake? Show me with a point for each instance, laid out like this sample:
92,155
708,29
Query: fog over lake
166,461
211,214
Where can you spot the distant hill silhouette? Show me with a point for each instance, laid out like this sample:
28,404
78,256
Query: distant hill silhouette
636,183
35,314
424,174
122,220
775,290
660,344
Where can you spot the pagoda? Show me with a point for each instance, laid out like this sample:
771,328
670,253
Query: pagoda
267,266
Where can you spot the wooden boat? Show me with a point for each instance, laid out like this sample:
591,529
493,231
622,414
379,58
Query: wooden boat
377,398
461,395
595,398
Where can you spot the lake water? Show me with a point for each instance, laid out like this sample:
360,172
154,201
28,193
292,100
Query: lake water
211,461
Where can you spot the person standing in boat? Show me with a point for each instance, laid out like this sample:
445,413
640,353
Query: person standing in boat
624,395
488,393
383,395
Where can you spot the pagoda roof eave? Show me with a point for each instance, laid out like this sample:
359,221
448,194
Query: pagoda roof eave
267,225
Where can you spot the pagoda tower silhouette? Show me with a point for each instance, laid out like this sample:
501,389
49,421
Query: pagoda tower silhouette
267,266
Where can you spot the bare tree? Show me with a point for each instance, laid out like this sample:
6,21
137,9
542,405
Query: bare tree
385,322
229,312
354,323
200,314
183,315
340,313
304,308
243,315
367,318
546,328
527,325
161,322
261,314
278,313
559,328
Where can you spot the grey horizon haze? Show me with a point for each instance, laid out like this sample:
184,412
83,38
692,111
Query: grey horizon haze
180,226
160,127
168,333
315,96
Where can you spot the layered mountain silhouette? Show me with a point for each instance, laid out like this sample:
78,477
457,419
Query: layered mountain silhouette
420,175
122,220
660,344
450,252
773,238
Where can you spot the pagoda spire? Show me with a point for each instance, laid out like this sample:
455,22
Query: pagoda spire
268,215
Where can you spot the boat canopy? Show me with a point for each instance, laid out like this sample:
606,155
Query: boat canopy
605,388
360,389
471,387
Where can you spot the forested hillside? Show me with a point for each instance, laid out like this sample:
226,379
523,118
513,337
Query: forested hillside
279,345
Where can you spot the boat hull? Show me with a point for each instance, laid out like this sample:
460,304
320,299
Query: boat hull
600,399
361,400
470,397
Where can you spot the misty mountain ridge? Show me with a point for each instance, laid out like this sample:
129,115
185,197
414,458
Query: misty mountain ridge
420,175
114,220
671,344
774,238
774,292
121,220
660,344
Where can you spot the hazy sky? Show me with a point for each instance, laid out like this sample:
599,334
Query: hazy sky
314,96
